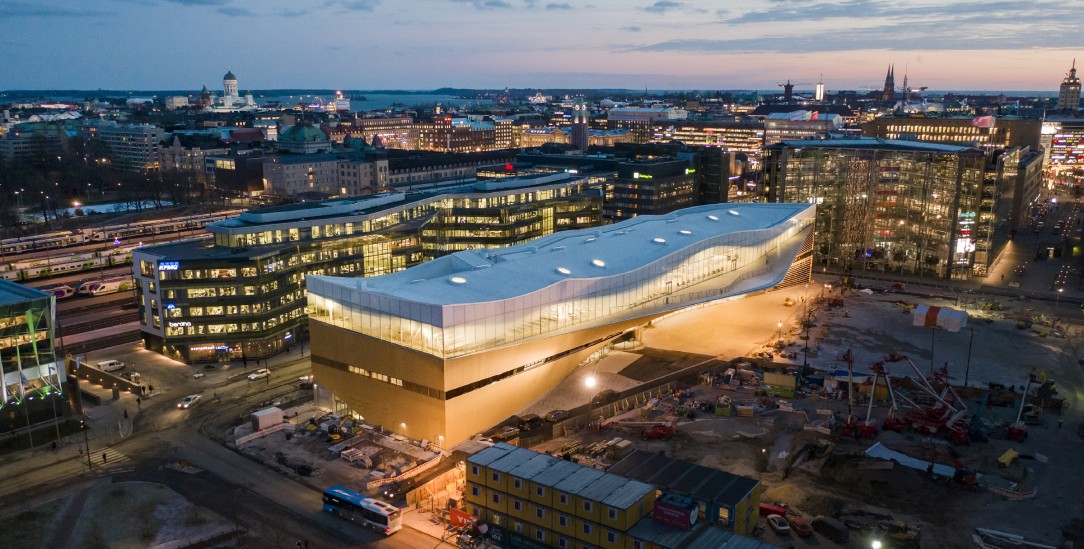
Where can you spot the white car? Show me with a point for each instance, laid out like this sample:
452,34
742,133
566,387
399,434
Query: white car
778,524
188,401
259,374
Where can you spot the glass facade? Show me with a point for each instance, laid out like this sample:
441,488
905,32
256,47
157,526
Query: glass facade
33,378
707,268
892,206
245,296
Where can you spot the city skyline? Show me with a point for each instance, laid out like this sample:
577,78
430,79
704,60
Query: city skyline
428,44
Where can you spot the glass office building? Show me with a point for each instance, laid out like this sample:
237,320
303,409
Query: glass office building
882,205
243,295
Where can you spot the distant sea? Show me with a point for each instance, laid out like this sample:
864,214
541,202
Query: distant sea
373,101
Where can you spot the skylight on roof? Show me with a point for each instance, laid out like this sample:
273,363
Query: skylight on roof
733,212
685,231
659,240
598,262
457,280
591,239
564,270
713,218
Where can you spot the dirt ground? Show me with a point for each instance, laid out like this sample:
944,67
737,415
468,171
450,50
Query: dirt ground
845,481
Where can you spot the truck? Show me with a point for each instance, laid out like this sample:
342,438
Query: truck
662,432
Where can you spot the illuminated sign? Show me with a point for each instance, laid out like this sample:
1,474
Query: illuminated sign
169,266
180,324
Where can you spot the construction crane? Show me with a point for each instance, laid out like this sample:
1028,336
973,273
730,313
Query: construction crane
1018,430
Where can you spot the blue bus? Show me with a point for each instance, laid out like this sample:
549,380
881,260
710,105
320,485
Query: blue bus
355,507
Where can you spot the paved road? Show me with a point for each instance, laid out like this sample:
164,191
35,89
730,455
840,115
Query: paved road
278,510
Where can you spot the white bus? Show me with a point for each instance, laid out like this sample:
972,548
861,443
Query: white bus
370,512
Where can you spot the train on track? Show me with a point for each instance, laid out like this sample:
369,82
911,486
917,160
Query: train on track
23,271
111,233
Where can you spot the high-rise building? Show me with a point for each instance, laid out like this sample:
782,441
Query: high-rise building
1069,93
891,206
33,377
985,132
651,186
132,147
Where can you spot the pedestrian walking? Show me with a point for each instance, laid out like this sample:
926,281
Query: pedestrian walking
104,458
125,413
139,402
54,446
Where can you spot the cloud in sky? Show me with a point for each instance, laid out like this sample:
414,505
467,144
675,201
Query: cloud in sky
235,12
416,44
14,8
663,6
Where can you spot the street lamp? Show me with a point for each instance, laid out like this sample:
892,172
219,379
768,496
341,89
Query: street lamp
590,382
86,442
1057,300
780,326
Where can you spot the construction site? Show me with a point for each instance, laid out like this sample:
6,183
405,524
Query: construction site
902,415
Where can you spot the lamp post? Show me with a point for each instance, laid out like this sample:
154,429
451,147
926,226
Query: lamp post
780,326
86,442
1057,300
26,413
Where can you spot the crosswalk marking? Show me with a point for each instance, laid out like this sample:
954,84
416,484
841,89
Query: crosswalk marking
111,456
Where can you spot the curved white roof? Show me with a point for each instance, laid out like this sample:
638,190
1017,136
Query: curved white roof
478,276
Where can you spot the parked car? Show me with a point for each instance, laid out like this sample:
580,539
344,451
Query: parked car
800,527
529,421
505,433
305,382
831,529
188,401
604,397
778,524
556,415
259,374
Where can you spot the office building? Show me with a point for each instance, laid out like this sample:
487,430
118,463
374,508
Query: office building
32,142
455,135
1069,92
132,147
453,346
1020,171
799,125
906,206
244,296
651,187
740,137
984,132
33,376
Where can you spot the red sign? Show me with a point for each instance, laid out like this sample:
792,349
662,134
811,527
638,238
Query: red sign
460,518
674,515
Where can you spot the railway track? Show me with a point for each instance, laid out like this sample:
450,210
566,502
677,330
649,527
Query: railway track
105,342
123,317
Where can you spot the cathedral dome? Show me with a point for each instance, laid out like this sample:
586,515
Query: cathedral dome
229,76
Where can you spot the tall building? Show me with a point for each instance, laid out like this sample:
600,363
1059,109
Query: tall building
580,122
651,187
889,92
916,208
245,295
1069,93
455,345
32,141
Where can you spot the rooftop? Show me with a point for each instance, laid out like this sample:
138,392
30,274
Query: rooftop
874,143
476,276
11,292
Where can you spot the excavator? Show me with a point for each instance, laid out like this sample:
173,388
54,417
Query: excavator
961,474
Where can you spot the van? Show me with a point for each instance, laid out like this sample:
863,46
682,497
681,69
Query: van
110,365
831,529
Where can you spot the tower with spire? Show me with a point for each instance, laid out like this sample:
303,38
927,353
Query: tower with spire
1069,94
889,92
